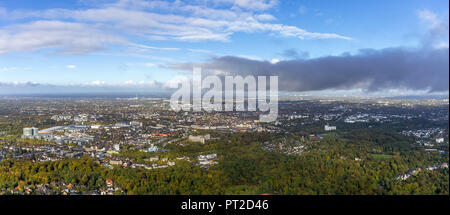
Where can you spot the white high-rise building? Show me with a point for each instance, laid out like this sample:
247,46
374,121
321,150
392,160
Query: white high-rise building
27,132
35,131
30,132
330,128
439,140
200,138
116,147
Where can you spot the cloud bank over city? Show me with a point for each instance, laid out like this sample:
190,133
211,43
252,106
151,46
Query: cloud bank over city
129,87
373,70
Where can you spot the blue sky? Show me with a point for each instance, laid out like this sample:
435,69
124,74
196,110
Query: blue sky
117,42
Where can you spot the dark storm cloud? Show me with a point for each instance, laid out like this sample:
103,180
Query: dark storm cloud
372,70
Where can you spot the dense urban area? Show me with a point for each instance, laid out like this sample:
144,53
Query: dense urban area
126,146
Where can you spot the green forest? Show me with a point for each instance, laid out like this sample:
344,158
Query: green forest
328,167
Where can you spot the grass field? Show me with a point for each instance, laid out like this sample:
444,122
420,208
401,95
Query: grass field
381,156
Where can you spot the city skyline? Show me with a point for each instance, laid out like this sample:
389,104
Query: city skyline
225,106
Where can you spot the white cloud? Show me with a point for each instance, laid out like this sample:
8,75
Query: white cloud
27,87
253,5
139,84
96,83
71,67
436,24
129,82
275,61
158,48
265,17
19,84
429,16
438,35
125,84
14,69
200,51
150,65
441,45
88,30
67,37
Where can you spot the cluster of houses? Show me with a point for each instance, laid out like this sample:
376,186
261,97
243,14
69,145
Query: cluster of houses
205,161
62,188
42,153
285,146
425,133
430,137
155,163
417,170
77,118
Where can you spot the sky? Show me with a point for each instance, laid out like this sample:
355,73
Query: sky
103,45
